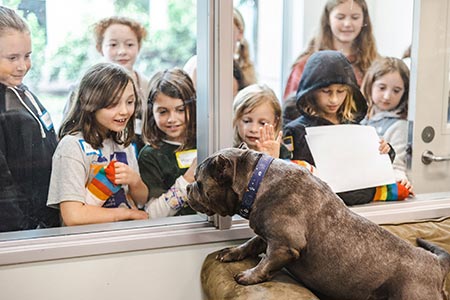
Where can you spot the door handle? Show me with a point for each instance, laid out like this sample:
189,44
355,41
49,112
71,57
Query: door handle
428,157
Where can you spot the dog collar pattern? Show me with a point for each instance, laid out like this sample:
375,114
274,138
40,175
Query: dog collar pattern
264,162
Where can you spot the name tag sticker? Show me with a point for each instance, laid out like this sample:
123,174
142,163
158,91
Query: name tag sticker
185,158
88,148
46,120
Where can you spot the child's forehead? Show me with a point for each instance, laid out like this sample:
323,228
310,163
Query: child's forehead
162,99
390,73
263,109
335,86
14,41
118,30
391,78
11,33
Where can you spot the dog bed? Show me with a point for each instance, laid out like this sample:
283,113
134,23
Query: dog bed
218,282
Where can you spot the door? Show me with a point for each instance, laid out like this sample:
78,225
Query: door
429,97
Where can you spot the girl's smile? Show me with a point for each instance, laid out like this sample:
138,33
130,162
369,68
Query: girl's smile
15,57
346,21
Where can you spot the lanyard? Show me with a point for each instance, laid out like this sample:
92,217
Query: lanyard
34,103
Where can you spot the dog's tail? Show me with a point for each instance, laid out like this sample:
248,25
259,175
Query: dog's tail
442,254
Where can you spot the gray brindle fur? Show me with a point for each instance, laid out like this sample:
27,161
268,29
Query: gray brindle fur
302,225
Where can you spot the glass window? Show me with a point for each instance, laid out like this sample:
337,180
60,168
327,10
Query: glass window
61,54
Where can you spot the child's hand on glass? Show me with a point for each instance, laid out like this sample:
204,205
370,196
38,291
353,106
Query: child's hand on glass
267,142
189,175
407,184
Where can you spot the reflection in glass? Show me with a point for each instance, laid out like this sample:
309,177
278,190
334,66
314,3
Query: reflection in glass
62,55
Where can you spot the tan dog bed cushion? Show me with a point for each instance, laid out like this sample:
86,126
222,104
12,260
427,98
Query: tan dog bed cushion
218,282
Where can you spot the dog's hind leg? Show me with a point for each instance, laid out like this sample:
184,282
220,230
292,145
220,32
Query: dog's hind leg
276,258
252,247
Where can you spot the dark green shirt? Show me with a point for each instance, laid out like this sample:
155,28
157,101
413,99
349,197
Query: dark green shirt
159,170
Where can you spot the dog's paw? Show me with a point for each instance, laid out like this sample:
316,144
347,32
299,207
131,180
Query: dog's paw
230,255
249,277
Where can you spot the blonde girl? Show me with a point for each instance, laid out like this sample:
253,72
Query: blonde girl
257,120
95,176
27,136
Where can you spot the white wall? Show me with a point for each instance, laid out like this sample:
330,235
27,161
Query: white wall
392,25
168,273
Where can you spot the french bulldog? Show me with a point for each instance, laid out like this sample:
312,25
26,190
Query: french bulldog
303,226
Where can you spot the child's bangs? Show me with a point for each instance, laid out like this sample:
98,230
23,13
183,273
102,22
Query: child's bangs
113,95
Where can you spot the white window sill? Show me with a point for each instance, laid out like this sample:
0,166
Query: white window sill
67,242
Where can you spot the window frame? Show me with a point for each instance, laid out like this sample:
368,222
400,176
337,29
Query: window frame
214,95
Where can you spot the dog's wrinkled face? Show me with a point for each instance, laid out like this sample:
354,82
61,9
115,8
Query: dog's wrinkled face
211,192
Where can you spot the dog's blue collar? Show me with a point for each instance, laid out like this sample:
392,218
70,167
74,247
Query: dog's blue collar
264,162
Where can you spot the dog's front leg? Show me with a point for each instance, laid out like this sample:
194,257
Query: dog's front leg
277,257
253,247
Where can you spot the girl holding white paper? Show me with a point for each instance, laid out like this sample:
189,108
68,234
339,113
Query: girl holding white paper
328,94
168,161
386,88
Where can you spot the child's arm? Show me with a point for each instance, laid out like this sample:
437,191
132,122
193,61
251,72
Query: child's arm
164,201
78,213
386,148
126,175
170,202
267,142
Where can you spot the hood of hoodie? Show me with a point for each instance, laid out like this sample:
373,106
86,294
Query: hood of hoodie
328,67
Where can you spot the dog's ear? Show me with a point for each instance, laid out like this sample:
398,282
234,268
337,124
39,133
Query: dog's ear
222,170
243,146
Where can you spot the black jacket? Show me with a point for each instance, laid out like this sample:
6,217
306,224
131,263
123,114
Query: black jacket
323,69
26,149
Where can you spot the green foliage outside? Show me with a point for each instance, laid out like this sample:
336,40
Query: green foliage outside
162,49
38,43
174,46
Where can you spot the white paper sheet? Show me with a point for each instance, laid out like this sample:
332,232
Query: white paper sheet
347,157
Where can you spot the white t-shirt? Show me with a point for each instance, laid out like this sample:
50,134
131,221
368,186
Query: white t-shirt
75,163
